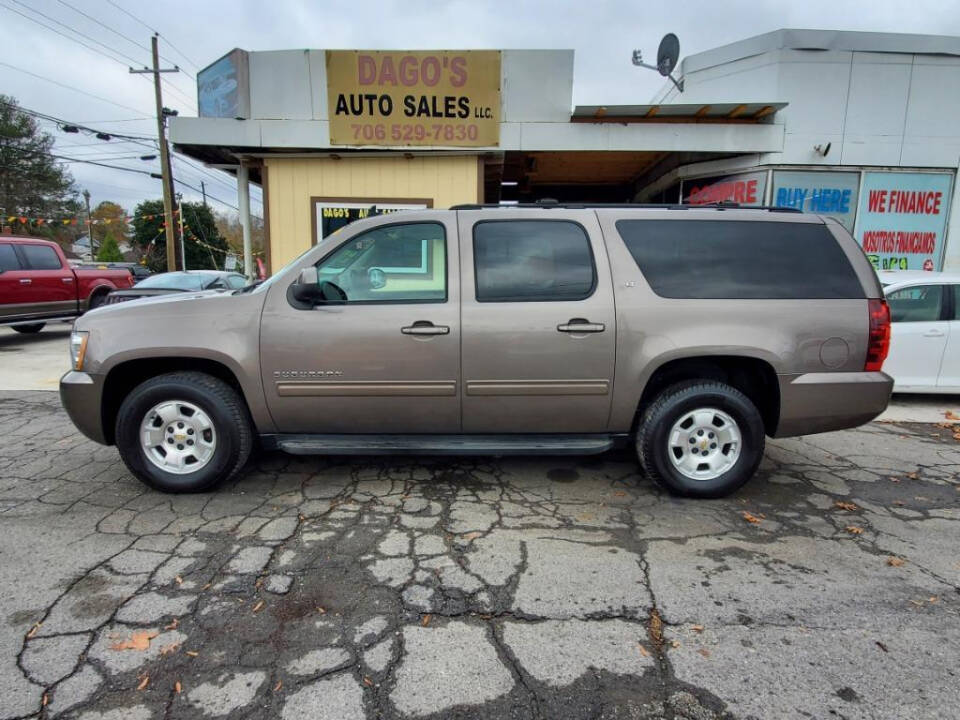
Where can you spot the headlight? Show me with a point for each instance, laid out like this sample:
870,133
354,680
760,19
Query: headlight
78,348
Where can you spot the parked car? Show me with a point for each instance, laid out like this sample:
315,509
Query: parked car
689,333
37,284
925,343
179,282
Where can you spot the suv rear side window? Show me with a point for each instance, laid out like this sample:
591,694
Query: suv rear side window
8,257
41,257
532,260
740,259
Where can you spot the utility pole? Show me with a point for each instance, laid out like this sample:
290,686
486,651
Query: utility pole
164,153
86,197
183,240
203,189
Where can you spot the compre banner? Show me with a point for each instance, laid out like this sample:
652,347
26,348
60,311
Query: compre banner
400,98
902,218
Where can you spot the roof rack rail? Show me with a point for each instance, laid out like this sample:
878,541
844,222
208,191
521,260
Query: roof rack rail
550,204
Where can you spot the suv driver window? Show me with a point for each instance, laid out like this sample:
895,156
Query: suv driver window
406,262
921,303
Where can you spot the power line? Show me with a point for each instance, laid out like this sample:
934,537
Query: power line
151,29
61,121
115,32
81,160
80,42
68,87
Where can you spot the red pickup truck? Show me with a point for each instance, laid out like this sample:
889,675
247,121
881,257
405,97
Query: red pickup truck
37,284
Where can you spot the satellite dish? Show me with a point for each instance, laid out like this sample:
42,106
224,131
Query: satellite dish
667,54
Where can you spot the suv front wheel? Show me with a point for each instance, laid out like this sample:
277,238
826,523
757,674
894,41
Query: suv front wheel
701,439
183,432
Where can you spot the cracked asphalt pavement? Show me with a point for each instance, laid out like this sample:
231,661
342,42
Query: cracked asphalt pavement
479,587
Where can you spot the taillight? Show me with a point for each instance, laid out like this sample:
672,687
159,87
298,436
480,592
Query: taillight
878,344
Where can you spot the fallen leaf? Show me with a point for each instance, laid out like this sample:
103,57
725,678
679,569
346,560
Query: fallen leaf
177,687
192,653
276,688
704,652
619,493
206,587
912,476
259,583
137,641
143,683
643,650
656,628
178,580
894,561
849,506
950,415
34,629
697,628
933,599
918,603
321,611
46,699
472,535
853,529
173,625
367,681
750,518
894,479
898,502
675,644
167,649
426,620
881,646
259,606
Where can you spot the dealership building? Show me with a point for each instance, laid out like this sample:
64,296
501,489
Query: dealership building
859,126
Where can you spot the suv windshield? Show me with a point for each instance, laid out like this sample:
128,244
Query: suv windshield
177,281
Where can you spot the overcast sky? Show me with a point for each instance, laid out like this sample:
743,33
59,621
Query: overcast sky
194,33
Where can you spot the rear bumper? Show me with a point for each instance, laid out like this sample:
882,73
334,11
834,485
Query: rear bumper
821,402
81,394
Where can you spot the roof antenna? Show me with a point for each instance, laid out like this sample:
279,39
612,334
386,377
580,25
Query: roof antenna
667,56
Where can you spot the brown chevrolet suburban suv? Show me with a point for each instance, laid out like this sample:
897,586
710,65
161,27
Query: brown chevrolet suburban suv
690,332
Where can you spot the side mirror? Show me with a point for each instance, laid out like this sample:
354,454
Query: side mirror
309,291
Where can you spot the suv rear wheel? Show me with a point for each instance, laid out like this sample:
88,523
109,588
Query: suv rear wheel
183,432
701,439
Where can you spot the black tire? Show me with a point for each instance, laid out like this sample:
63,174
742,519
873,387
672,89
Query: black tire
97,299
226,410
653,437
29,329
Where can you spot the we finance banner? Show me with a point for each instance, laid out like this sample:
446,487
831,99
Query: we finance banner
902,218
401,98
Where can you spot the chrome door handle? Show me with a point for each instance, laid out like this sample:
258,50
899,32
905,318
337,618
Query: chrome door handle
425,327
67,280
25,281
579,325
933,333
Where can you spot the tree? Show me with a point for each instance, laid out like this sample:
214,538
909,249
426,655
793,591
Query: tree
205,248
109,250
109,219
229,226
32,183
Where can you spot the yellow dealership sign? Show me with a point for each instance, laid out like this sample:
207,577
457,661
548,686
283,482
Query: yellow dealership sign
399,98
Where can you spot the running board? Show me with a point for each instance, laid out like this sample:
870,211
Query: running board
442,444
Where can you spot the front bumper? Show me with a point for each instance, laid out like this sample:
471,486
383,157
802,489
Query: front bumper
821,402
82,395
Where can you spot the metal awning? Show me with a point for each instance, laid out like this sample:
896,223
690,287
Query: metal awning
677,112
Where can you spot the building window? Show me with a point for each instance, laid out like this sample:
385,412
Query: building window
331,214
